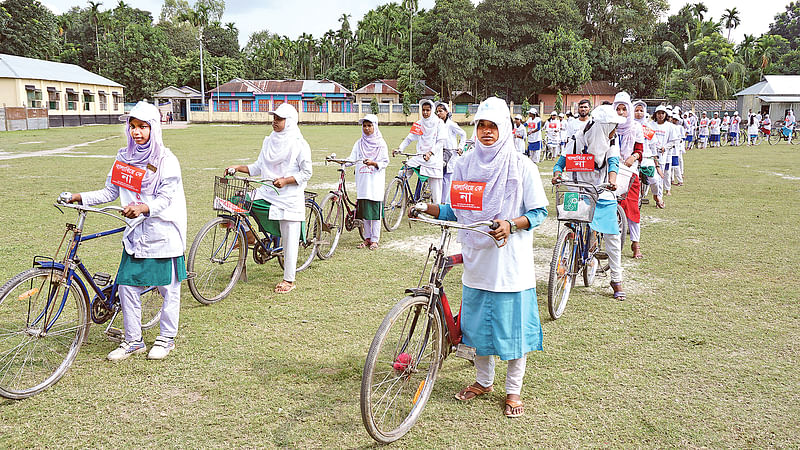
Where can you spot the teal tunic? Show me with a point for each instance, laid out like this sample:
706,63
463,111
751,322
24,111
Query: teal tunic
150,271
369,209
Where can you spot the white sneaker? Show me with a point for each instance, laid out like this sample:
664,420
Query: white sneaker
161,348
126,349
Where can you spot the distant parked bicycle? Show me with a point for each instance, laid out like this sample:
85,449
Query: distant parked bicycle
399,195
216,259
781,133
45,311
338,212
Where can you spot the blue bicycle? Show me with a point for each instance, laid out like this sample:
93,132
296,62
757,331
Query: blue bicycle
578,249
216,259
45,311
399,195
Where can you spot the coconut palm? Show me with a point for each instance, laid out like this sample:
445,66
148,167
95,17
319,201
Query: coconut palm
94,15
731,19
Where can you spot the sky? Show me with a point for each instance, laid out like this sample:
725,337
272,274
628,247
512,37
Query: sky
293,18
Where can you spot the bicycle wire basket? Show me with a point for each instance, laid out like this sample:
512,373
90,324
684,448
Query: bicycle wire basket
575,203
232,195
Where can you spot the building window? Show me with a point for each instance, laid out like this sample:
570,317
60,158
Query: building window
247,105
88,99
337,106
276,103
226,106
312,106
34,97
53,98
72,100
263,105
101,97
295,103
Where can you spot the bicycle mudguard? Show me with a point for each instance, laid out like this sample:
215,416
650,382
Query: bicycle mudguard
58,266
419,292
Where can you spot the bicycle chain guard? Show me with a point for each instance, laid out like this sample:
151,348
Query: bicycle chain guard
100,312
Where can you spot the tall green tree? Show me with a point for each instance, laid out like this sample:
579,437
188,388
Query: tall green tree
454,55
562,63
28,28
787,24
144,64
731,20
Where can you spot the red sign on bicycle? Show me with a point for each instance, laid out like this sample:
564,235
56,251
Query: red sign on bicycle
467,195
579,163
127,176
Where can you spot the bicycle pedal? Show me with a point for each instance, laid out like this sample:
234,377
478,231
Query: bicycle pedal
645,201
115,334
466,352
278,251
191,275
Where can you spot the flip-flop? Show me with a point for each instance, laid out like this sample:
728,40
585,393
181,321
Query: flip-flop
513,404
373,246
284,288
477,390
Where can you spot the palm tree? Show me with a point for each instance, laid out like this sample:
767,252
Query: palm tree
698,9
731,19
94,15
411,6
345,36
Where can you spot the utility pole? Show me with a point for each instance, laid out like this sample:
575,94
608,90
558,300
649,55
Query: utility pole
202,82
217,75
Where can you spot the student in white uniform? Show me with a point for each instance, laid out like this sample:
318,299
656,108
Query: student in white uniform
285,158
584,106
676,164
724,127
456,139
520,135
553,130
649,169
563,138
715,128
664,140
372,156
702,130
152,250
752,129
499,311
431,136
534,126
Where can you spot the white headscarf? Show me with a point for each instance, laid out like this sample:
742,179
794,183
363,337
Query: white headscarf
371,145
430,128
151,152
282,146
499,166
625,129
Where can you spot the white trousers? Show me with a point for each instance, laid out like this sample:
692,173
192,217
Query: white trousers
131,302
372,230
436,190
613,244
677,172
634,230
446,187
290,239
666,181
535,156
484,366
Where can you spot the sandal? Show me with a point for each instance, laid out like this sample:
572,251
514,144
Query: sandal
364,244
619,294
476,390
284,287
637,252
373,246
511,405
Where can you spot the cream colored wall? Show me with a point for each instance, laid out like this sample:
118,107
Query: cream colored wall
12,93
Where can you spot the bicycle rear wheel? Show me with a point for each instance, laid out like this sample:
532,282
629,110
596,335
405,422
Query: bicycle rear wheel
562,272
775,136
152,301
622,220
394,205
307,249
400,369
38,339
216,259
332,225
590,270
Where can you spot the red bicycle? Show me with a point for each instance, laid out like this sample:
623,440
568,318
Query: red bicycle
338,212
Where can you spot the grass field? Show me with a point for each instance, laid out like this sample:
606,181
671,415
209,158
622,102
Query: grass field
704,352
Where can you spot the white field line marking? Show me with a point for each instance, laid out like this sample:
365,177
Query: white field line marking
62,151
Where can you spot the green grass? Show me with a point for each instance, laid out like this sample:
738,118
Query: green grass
704,353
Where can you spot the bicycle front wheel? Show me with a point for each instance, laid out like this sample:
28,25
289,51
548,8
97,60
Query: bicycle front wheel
401,368
39,338
775,136
216,260
152,301
622,221
562,272
307,249
332,225
394,205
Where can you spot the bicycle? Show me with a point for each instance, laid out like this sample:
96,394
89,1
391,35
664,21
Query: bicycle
578,249
216,259
782,133
338,212
399,196
411,344
41,328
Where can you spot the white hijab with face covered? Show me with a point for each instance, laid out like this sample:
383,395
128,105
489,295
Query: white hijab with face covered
497,165
281,147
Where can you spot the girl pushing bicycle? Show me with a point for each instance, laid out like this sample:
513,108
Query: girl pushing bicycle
372,156
499,312
285,159
146,177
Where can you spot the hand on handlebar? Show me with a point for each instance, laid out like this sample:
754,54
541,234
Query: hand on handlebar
68,197
500,230
133,211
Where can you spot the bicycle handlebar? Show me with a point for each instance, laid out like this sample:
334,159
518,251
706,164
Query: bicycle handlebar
130,223
346,162
470,227
599,189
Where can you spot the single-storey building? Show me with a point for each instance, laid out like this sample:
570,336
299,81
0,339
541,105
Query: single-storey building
595,91
265,95
386,91
71,94
461,101
773,95
182,99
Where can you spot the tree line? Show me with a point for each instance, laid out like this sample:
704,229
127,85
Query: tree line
510,48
